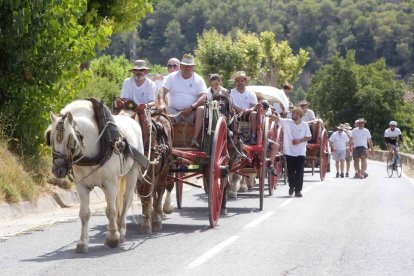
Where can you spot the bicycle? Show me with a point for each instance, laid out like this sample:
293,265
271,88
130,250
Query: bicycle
395,163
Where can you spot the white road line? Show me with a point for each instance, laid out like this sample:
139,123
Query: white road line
213,251
259,220
286,202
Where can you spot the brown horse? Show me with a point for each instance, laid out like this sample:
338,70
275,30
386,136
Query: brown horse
157,137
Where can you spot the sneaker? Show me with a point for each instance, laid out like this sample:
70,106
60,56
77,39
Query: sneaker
360,176
365,175
342,175
271,170
337,174
298,194
291,190
253,140
347,175
194,143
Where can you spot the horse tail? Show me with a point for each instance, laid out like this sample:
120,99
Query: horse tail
120,195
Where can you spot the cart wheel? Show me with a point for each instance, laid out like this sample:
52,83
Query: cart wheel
398,168
390,167
323,154
285,171
179,189
218,171
263,162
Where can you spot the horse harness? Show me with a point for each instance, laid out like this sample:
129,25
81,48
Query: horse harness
110,140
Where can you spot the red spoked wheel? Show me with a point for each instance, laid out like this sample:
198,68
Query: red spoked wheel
179,189
323,154
218,171
262,167
271,179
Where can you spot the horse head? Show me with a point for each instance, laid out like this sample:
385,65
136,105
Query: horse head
66,142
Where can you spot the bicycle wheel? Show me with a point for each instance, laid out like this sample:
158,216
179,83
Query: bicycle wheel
390,167
398,168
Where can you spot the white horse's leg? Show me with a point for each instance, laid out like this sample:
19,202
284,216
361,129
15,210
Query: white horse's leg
250,181
112,237
84,214
234,185
127,198
168,207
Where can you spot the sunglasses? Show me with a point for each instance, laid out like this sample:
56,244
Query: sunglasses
139,70
172,65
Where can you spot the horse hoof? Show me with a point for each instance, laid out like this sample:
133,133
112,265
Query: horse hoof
82,248
250,188
232,194
243,189
121,239
145,229
157,226
168,209
223,211
112,243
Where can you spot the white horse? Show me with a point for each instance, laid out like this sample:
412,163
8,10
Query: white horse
75,138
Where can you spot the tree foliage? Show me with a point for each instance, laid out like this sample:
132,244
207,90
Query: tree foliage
343,91
43,45
258,55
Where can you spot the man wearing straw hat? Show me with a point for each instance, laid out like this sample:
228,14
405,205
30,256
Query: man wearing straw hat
138,87
244,102
187,94
339,143
361,138
296,134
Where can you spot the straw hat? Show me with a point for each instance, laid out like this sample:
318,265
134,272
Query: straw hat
187,60
347,126
361,120
240,75
303,102
139,64
341,127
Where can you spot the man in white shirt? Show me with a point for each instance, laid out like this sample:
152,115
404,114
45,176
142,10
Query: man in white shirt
309,117
187,94
339,143
296,134
244,102
391,137
138,87
361,138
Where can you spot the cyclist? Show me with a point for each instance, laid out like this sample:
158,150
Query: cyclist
391,137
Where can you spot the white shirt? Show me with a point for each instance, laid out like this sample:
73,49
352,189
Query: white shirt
243,100
142,94
392,134
183,92
293,131
339,140
360,137
308,116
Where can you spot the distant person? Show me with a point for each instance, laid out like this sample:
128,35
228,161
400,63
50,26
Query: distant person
348,157
244,102
391,136
339,143
291,107
138,87
287,87
187,94
296,134
361,138
273,146
173,65
215,87
309,117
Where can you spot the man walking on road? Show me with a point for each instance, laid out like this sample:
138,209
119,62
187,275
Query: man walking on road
348,157
296,134
339,143
361,138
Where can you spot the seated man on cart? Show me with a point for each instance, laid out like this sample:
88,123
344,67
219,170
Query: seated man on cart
310,119
244,102
187,93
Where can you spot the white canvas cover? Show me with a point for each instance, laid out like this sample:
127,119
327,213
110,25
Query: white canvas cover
271,94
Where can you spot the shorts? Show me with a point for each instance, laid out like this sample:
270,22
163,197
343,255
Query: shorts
339,155
359,152
179,117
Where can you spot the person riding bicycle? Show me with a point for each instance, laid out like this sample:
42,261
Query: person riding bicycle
391,137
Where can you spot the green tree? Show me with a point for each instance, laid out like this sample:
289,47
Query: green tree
43,46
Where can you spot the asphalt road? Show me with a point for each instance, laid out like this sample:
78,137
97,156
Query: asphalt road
340,227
